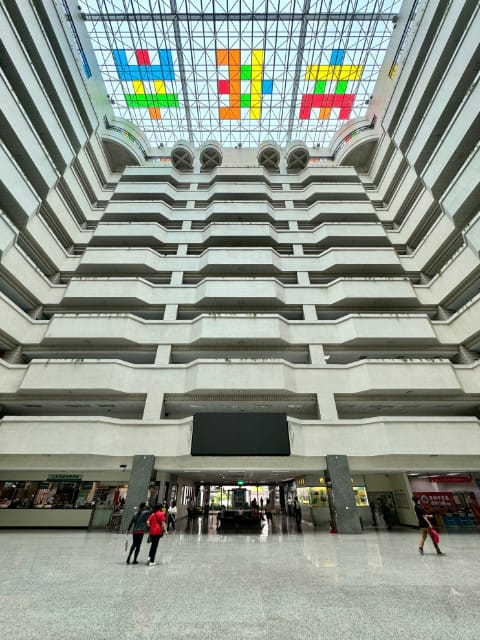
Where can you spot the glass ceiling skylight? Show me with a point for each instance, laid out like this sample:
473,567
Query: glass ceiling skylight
240,71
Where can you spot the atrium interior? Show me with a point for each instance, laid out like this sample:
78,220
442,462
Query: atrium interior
239,252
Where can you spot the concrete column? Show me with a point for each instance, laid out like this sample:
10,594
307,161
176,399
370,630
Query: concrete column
310,313
176,277
170,312
317,355
293,225
182,249
153,406
298,249
142,470
327,407
186,225
163,354
342,496
303,277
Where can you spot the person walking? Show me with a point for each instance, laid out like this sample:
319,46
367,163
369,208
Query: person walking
191,510
158,526
269,512
139,525
425,526
172,515
297,511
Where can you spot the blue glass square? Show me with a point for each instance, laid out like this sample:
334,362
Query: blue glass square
267,86
337,56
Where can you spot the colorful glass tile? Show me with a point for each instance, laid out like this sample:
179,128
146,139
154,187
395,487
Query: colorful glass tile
339,98
238,73
144,71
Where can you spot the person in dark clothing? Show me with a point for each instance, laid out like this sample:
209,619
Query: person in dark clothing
297,511
269,512
139,526
425,526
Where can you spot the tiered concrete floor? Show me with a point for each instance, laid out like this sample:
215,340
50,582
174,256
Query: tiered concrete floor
287,585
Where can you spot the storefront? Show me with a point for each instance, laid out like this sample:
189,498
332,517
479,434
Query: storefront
62,500
453,498
314,498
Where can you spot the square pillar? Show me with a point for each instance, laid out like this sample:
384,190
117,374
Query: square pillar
163,353
342,498
327,408
303,278
176,278
170,312
140,476
152,409
310,313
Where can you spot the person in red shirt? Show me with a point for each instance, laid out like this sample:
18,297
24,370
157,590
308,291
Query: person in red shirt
158,526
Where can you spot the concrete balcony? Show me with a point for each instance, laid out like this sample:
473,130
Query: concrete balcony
44,115
29,277
20,135
438,235
414,218
335,260
8,234
212,290
452,278
385,438
459,138
105,329
460,202
241,191
15,190
153,231
245,211
100,377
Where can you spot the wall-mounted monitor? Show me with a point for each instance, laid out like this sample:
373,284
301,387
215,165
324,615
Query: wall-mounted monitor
240,434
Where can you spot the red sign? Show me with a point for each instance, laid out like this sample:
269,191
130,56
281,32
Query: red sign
450,479
440,502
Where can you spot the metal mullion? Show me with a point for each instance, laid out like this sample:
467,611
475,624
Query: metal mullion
298,68
181,65
204,52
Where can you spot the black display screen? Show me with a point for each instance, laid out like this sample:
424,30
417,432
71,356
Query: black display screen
240,434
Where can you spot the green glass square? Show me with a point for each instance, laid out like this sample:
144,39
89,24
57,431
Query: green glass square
341,86
245,100
320,86
246,72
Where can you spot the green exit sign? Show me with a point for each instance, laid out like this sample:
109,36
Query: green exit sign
240,482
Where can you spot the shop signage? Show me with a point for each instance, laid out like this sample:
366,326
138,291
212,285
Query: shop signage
450,479
63,477
441,501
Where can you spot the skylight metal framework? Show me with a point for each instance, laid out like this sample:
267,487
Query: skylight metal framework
240,71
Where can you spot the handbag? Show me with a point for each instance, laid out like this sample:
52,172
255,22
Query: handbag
435,536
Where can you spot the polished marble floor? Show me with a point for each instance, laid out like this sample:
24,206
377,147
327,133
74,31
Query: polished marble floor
285,584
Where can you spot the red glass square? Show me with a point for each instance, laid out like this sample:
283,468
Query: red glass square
223,87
